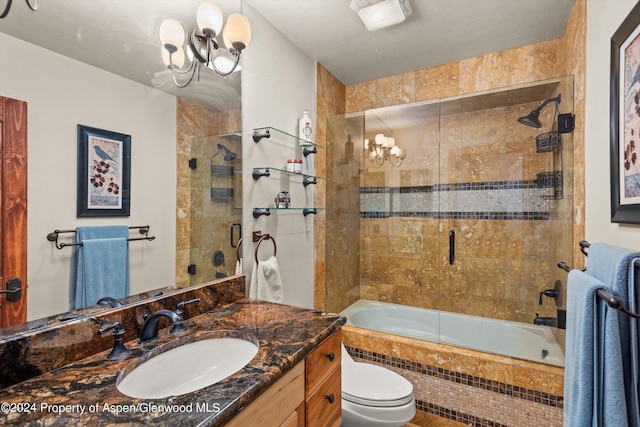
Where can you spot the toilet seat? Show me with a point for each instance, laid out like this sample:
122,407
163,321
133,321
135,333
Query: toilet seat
372,385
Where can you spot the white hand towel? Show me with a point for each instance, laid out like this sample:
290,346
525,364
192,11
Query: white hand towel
266,283
239,266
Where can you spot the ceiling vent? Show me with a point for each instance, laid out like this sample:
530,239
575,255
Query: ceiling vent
377,14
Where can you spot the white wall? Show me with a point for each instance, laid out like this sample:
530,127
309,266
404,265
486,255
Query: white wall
278,84
603,19
62,93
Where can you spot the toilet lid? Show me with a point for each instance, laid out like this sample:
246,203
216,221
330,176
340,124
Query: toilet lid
373,385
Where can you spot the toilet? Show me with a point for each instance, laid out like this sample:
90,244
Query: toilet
373,396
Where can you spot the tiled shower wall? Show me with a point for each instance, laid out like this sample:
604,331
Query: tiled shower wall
526,64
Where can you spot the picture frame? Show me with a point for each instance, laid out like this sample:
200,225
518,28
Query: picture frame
624,120
104,173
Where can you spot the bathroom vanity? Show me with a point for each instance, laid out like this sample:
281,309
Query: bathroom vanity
293,380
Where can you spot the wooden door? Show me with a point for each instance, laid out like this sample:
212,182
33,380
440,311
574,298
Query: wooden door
13,210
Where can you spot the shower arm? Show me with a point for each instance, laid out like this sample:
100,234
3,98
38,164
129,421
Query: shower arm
556,99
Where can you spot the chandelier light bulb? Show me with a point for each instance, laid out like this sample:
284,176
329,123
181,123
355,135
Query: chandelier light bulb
394,150
171,34
209,17
391,142
401,154
237,32
379,139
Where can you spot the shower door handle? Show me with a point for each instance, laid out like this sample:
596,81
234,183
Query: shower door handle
452,246
233,241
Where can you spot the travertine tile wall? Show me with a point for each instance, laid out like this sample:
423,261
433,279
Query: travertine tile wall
555,58
565,56
197,122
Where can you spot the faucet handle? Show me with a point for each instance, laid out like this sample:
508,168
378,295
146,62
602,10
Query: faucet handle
119,351
552,293
180,307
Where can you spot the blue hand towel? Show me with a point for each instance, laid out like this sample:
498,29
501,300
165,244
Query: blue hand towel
614,266
90,280
594,392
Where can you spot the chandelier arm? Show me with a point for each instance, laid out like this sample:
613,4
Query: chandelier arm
5,12
34,6
181,86
223,74
177,70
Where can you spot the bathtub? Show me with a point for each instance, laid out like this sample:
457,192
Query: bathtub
506,338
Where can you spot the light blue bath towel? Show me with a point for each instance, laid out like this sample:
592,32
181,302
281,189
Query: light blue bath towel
594,393
100,267
614,266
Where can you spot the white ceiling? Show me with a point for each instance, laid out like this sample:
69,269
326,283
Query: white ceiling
120,36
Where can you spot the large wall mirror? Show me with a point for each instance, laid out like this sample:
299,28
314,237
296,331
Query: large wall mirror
99,64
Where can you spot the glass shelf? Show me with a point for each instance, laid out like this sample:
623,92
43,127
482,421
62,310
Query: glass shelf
235,133
259,172
258,212
265,132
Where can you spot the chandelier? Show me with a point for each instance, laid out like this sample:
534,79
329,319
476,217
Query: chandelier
201,43
384,148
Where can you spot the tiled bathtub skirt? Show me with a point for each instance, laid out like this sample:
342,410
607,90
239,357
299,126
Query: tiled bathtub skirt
468,399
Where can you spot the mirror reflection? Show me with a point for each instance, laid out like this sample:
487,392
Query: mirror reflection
100,64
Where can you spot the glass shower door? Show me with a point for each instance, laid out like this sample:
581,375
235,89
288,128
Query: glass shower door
216,207
505,196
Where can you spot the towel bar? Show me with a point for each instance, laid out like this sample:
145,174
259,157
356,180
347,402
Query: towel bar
143,229
258,237
612,301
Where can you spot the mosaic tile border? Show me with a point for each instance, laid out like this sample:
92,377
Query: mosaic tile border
470,420
460,378
520,216
462,186
520,200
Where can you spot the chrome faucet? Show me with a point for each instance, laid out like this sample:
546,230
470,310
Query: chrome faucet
149,330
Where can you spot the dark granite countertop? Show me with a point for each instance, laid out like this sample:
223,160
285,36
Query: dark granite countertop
84,392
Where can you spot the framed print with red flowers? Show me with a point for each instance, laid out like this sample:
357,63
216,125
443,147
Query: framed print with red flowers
104,173
624,120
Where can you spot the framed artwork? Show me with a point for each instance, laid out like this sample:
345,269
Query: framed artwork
624,121
104,173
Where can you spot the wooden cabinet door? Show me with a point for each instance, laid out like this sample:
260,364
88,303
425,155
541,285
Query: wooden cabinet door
13,199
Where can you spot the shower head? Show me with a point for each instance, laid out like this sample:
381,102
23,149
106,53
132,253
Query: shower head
228,154
531,119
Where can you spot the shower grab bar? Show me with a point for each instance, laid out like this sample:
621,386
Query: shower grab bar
53,236
452,247
612,301
259,237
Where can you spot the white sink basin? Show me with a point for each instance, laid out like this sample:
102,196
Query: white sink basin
184,368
